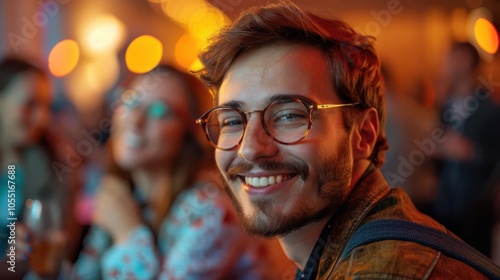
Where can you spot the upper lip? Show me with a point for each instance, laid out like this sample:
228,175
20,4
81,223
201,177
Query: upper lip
265,174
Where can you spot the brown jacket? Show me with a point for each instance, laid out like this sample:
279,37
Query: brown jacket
371,200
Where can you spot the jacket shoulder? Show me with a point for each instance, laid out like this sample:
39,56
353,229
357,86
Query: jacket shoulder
391,259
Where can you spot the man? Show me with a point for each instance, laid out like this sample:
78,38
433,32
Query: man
299,137
470,154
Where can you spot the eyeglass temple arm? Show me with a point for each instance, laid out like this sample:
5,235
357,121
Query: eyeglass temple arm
328,106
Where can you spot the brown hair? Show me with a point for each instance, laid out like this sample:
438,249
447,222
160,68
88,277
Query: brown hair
351,57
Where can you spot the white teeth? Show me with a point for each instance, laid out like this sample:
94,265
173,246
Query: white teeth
260,182
263,182
279,179
255,182
271,180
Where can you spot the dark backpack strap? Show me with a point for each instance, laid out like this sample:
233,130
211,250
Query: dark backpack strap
390,229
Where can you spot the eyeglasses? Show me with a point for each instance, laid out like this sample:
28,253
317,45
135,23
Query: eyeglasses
156,110
286,120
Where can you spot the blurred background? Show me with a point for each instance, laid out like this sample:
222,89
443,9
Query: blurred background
86,41
90,46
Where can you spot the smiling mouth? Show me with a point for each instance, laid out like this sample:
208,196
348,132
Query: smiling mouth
261,182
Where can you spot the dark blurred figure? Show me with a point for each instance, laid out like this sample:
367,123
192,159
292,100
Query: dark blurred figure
27,147
410,121
470,152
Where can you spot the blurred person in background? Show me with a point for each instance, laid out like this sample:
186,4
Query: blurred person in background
471,150
159,212
410,121
27,144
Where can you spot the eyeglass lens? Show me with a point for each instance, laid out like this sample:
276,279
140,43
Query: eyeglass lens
286,121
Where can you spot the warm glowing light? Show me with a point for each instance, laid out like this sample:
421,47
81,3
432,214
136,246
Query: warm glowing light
196,65
186,51
63,58
486,35
181,11
102,34
459,24
91,80
206,22
143,54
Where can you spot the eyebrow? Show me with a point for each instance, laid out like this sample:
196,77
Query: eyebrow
240,104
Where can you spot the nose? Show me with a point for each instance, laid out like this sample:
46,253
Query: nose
256,144
137,118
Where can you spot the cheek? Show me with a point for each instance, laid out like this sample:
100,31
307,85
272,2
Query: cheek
10,116
42,118
222,159
10,121
168,138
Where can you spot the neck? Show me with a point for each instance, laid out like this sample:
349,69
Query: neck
299,244
153,183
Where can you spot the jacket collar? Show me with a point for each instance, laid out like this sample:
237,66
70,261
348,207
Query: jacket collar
349,216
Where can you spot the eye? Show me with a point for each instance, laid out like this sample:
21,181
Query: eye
130,99
286,114
229,120
232,121
289,115
158,110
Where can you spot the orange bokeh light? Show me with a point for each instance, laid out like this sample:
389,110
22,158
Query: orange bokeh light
486,35
63,58
143,54
186,51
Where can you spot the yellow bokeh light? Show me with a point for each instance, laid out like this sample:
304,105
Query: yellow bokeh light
102,34
63,58
206,22
186,51
143,54
87,85
486,35
181,11
196,65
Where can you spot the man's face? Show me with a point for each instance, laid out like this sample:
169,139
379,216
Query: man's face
306,180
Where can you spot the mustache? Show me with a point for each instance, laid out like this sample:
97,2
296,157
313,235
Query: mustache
296,166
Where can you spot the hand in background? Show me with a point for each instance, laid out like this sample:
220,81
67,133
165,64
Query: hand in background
116,210
23,240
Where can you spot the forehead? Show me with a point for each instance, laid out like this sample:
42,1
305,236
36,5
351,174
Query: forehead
165,87
29,85
274,70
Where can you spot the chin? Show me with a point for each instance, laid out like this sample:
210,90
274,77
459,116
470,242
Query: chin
266,218
128,163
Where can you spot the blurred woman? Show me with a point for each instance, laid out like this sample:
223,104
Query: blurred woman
25,152
165,216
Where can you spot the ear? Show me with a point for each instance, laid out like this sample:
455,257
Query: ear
364,134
